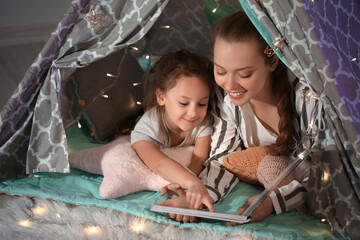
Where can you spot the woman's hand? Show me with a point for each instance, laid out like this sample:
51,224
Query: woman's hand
264,210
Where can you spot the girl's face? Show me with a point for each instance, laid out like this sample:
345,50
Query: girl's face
185,104
240,69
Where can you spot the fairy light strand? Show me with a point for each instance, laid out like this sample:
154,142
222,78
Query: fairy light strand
137,225
218,4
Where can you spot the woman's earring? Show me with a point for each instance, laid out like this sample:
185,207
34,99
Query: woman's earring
269,51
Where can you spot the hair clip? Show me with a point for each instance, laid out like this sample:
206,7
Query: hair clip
273,47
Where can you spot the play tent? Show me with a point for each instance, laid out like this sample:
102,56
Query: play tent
89,75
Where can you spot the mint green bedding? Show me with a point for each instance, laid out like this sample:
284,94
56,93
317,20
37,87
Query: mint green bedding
80,187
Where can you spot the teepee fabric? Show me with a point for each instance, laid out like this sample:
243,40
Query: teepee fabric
319,41
32,132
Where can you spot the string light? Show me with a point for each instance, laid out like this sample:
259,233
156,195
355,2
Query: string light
92,230
135,48
137,226
323,220
104,95
325,176
136,84
302,155
307,95
110,75
138,103
165,26
39,210
24,223
78,124
217,6
353,59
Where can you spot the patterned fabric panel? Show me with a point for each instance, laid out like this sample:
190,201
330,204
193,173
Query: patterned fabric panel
17,117
335,169
31,124
337,27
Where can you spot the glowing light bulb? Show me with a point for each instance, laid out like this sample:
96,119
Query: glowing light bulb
135,48
215,9
24,223
110,75
136,84
147,56
353,59
323,220
138,103
165,26
301,155
92,230
325,176
138,227
39,211
105,96
79,124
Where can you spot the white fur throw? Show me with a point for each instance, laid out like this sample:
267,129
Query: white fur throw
124,172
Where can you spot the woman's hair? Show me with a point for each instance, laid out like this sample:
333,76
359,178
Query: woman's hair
167,70
238,27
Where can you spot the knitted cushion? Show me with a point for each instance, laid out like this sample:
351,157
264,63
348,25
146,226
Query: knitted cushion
270,167
244,164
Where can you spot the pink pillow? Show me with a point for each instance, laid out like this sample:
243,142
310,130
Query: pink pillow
124,172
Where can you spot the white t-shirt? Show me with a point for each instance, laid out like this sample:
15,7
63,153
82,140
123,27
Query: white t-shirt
151,127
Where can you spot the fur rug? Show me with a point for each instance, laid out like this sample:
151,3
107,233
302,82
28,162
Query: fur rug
51,219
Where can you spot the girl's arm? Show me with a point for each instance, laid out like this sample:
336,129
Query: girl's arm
200,154
173,172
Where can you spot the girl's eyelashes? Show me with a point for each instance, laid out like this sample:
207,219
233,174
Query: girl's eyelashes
200,104
221,73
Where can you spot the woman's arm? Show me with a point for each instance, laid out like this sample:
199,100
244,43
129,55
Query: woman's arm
200,154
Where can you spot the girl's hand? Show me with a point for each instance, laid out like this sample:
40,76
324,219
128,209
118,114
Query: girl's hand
172,189
264,210
197,195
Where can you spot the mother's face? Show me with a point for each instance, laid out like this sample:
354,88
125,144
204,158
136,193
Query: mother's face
240,69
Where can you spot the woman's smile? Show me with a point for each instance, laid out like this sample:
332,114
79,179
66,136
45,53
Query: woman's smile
236,95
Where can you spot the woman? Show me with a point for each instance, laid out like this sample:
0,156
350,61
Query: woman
254,107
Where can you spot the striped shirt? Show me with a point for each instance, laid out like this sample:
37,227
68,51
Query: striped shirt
230,134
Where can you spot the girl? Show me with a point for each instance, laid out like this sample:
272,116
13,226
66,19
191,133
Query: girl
253,107
176,115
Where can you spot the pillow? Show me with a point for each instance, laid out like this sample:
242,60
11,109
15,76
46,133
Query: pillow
103,113
124,172
271,167
244,163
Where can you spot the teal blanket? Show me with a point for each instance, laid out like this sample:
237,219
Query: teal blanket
80,187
